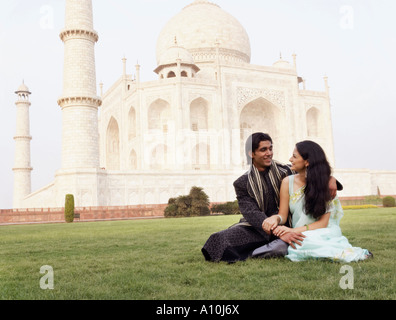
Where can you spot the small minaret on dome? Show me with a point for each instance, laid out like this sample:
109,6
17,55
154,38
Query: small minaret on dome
22,167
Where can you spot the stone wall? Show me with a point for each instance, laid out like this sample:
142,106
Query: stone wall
56,215
111,188
365,182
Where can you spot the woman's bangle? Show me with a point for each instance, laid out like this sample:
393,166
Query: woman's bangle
280,219
307,227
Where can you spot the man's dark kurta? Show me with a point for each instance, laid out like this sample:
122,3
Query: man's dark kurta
238,242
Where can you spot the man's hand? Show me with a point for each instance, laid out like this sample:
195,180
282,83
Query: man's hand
270,224
293,238
333,187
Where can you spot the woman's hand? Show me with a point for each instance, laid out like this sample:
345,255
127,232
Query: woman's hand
293,239
281,230
270,224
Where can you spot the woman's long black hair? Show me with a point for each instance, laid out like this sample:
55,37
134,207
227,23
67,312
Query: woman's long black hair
317,194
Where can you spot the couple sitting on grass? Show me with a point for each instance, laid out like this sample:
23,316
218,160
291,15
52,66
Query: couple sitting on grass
268,192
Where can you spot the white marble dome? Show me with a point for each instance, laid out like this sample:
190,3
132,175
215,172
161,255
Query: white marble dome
23,88
199,28
282,64
175,52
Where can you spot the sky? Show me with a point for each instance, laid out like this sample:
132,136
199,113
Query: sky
352,42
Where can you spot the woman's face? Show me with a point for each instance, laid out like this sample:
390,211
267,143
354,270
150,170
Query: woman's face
297,161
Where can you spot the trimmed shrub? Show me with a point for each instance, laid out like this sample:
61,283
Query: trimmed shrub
199,202
227,208
171,209
183,204
69,208
363,206
196,203
389,201
372,200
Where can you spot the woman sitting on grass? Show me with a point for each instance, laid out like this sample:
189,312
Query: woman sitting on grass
314,213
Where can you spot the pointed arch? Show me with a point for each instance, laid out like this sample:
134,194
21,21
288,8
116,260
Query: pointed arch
159,115
132,163
131,124
171,74
199,114
200,156
113,145
259,115
159,157
313,115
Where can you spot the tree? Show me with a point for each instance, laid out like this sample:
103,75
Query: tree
196,203
199,202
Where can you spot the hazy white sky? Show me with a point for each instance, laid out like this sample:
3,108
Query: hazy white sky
353,42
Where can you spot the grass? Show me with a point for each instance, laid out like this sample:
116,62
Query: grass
161,259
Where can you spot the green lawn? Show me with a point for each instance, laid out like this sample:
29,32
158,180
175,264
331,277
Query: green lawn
161,259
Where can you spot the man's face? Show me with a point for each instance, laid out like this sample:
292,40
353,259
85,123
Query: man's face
262,156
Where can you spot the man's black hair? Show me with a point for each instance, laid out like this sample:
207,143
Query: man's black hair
253,142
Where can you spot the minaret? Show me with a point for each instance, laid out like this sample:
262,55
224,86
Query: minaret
137,73
124,73
79,101
326,82
22,168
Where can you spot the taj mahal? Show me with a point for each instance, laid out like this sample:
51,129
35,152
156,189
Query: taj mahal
145,142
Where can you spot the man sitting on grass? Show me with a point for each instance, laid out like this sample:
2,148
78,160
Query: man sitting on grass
257,193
